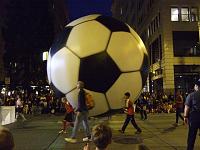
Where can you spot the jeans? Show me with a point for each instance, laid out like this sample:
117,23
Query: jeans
81,117
143,114
178,114
194,125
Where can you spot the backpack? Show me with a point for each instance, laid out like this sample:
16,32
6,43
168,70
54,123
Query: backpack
89,101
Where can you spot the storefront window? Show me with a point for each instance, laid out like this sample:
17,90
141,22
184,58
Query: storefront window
185,43
185,76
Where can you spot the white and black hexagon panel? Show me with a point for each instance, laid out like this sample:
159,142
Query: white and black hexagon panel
57,93
101,105
83,19
125,51
88,38
127,82
72,97
137,37
98,72
64,70
145,65
60,41
113,24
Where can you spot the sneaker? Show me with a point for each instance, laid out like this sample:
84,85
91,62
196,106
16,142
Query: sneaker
121,131
138,132
71,140
61,131
87,139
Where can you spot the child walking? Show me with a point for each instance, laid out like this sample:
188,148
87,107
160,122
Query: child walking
129,110
69,115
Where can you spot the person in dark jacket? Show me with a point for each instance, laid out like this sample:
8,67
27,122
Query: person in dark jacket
81,116
192,115
68,120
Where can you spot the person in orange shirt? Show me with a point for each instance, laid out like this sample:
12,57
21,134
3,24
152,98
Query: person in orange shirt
129,110
68,120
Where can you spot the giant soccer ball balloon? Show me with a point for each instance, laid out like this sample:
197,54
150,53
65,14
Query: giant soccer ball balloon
104,53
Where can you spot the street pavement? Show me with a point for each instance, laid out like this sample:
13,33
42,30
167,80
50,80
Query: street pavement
158,133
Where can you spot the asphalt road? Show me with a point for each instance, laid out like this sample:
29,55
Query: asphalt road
158,133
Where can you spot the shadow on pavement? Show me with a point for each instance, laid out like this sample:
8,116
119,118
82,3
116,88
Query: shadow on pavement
127,140
170,129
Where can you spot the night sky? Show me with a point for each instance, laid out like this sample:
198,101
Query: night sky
29,26
30,23
79,8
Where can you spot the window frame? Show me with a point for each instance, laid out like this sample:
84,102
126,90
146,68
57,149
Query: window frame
196,16
176,15
183,15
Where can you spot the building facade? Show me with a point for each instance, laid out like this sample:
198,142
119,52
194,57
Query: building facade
125,11
29,31
2,75
3,3
170,31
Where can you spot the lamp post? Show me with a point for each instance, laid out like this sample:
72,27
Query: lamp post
45,56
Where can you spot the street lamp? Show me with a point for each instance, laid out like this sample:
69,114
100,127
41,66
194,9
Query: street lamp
45,55
44,58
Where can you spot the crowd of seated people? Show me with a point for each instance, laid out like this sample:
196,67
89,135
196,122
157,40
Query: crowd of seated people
44,103
40,103
157,102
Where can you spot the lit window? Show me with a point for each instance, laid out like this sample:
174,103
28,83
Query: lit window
174,14
185,14
194,14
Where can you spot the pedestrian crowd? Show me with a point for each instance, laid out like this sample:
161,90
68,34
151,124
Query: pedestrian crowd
101,134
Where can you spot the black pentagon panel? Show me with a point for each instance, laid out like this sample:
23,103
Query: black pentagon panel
145,69
60,40
98,72
113,24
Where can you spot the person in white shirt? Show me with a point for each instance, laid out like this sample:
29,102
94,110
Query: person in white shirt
19,108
